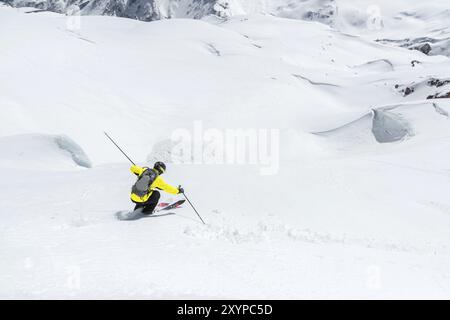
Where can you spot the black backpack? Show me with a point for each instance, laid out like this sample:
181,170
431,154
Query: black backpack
145,180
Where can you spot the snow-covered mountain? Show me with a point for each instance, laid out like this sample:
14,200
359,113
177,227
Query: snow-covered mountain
148,10
345,15
356,204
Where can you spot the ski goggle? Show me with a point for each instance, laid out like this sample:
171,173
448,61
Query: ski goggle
160,169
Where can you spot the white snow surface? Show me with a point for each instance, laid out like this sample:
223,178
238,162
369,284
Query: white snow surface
347,215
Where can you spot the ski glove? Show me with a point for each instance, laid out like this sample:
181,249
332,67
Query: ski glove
180,189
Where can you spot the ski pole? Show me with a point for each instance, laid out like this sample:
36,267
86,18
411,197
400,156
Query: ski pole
119,148
193,208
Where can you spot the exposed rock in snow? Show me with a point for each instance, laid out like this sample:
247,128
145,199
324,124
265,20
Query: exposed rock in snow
426,45
406,90
440,95
430,89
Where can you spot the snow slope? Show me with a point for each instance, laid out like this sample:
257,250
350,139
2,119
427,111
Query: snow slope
358,208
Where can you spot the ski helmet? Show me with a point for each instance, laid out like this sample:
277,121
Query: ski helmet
160,167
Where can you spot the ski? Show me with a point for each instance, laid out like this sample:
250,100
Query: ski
162,205
172,206
137,214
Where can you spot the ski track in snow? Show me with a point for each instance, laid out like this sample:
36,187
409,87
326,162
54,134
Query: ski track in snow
269,232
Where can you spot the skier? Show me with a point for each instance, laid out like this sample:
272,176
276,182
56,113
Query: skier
144,193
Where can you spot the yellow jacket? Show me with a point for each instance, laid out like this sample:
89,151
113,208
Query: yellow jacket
159,183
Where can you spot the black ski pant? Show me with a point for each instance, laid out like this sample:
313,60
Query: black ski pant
150,204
